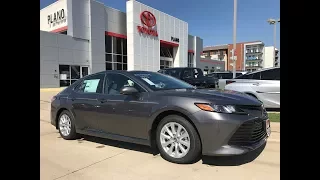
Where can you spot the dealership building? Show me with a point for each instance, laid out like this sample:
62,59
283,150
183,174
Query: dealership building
80,37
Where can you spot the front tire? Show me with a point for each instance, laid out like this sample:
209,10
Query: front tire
66,126
177,140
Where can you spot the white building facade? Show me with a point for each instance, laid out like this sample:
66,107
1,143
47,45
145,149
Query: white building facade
80,37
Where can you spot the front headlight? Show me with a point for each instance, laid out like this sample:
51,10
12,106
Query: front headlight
220,108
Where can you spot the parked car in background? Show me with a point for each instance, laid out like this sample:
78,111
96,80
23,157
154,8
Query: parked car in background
262,84
163,112
193,76
224,75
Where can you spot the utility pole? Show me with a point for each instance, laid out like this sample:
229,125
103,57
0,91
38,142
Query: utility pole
234,36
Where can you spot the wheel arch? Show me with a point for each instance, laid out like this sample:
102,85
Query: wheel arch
157,117
61,109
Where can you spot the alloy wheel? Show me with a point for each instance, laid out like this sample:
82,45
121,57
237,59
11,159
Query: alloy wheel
175,140
65,125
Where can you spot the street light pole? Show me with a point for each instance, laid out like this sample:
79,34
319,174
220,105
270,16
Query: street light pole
274,23
234,36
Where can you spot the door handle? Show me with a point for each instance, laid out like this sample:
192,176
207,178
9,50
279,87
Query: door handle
256,84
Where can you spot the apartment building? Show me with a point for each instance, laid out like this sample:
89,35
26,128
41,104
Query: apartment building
270,59
217,53
250,56
253,56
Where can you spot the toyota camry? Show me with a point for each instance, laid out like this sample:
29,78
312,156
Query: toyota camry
163,112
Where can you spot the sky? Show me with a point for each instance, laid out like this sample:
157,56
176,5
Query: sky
212,20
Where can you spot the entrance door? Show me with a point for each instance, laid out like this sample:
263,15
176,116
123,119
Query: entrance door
71,73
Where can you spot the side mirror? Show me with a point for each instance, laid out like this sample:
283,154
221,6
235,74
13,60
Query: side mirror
129,91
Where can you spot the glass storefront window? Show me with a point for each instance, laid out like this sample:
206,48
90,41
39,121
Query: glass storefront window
69,74
117,45
190,59
165,64
116,53
108,44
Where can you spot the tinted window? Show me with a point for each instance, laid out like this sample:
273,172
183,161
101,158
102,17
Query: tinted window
188,73
225,75
272,74
245,76
256,76
172,72
115,82
198,72
91,84
157,81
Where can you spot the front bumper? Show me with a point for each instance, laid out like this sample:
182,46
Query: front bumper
217,129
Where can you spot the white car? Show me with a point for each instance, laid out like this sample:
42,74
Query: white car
262,84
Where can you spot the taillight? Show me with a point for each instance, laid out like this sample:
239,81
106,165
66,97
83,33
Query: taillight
229,82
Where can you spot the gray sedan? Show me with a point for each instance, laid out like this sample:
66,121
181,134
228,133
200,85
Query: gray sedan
163,112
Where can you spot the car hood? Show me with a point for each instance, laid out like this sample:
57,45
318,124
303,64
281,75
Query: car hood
215,96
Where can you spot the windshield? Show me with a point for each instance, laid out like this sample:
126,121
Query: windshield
157,81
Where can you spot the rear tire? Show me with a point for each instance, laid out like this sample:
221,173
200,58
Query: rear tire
66,126
181,144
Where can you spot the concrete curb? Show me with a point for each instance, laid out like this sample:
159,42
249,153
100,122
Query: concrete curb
51,89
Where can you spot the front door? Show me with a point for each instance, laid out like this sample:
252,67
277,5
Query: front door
124,115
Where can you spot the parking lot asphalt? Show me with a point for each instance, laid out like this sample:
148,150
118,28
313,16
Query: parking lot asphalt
96,158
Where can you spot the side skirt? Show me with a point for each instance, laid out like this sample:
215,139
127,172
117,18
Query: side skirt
101,134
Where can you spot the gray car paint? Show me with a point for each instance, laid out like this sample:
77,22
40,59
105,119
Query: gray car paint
130,118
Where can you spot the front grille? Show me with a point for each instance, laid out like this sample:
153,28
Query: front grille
258,111
249,133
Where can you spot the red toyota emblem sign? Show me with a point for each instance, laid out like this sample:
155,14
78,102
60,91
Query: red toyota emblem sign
149,20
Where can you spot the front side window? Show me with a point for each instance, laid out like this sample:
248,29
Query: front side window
157,81
198,72
115,82
92,84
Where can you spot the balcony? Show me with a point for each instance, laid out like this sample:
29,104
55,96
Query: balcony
253,51
254,60
250,66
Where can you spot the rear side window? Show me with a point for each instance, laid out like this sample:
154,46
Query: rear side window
271,74
91,84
